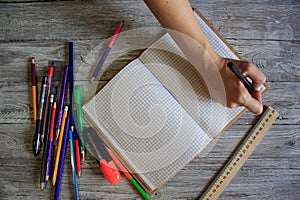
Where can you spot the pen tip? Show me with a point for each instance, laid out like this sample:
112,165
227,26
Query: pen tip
53,182
42,186
79,175
92,79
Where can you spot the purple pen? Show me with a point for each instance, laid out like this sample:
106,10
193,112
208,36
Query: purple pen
61,101
62,159
50,142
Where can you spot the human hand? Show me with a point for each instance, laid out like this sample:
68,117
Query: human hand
236,92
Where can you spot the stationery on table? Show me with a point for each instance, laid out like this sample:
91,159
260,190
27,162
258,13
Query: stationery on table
46,140
71,80
106,163
77,153
109,46
50,142
155,115
98,146
78,103
61,100
128,175
34,89
62,159
60,143
47,99
73,161
36,143
49,120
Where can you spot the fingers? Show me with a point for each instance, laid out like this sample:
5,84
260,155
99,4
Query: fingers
254,103
257,77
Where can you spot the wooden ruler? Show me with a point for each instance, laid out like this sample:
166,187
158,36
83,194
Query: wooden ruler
240,156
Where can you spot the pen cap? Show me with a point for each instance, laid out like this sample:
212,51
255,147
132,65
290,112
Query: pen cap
110,171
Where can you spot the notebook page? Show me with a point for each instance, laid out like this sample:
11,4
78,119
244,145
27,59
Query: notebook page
169,65
145,126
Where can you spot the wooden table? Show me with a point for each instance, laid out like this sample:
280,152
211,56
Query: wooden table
266,33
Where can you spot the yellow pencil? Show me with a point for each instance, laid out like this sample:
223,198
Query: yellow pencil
59,144
34,89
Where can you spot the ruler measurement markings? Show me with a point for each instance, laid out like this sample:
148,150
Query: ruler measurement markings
245,149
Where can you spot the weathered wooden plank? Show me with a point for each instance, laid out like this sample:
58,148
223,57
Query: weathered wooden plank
17,104
253,20
278,60
70,20
273,162
267,20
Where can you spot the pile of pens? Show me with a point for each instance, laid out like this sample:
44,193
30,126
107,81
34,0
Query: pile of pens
58,119
55,125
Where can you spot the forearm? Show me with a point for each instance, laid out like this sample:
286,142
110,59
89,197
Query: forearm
177,15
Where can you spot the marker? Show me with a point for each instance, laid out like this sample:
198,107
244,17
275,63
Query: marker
106,163
78,103
128,175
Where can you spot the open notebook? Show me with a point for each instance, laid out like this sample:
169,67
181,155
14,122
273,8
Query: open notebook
155,114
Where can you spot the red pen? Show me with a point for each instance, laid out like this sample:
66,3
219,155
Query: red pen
77,154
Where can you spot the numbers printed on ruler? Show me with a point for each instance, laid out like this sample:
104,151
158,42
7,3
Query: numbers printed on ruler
242,153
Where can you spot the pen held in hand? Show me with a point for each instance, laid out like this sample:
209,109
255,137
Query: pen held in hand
242,78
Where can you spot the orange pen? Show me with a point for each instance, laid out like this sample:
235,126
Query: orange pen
59,144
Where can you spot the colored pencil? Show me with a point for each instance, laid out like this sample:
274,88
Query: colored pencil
61,101
34,89
60,143
104,56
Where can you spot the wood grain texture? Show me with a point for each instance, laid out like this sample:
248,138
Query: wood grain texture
266,33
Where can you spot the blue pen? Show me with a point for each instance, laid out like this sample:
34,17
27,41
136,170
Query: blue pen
74,174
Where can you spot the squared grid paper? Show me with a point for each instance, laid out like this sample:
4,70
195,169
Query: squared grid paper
155,115
142,122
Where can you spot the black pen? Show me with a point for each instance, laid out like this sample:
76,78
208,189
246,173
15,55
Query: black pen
36,143
46,139
242,78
